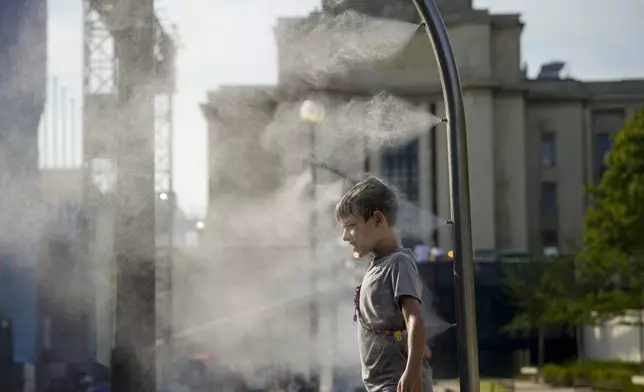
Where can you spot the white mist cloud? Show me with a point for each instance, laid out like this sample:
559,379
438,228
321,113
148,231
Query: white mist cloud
257,273
321,48
223,42
348,126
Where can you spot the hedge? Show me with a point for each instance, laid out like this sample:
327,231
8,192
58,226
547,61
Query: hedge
599,375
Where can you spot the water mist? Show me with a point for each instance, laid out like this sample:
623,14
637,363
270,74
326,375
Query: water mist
245,295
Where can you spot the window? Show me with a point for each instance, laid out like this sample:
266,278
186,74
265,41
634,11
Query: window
548,149
549,198
549,239
400,167
550,243
604,123
603,144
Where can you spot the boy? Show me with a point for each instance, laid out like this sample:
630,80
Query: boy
391,332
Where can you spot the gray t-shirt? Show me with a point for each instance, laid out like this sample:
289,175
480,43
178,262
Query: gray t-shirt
383,357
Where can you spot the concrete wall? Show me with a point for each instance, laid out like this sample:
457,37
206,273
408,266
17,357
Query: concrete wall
510,167
497,169
472,42
614,339
238,164
479,112
399,9
481,132
505,48
566,120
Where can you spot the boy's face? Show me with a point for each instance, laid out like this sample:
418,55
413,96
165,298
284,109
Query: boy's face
360,233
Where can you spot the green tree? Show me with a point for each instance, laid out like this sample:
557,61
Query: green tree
613,244
574,302
548,293
536,287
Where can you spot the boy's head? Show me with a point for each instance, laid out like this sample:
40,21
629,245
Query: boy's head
368,213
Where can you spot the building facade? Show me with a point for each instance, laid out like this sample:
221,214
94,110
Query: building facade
23,44
534,145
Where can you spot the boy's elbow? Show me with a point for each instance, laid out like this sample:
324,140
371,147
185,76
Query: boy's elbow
412,313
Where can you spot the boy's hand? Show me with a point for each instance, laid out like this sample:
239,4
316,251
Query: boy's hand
410,382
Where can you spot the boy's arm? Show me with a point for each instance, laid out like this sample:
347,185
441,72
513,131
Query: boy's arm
408,291
412,313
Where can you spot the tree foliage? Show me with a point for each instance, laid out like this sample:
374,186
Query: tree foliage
613,243
540,289
548,293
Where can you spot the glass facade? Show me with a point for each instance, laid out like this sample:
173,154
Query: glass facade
400,167
548,149
603,144
549,198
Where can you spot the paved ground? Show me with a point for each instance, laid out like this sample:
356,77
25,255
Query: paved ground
519,386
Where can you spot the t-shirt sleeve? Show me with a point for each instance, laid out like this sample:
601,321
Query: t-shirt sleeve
405,278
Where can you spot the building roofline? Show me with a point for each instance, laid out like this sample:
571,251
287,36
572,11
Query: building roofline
534,90
624,89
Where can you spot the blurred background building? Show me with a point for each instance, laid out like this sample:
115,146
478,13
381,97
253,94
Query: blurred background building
534,144
22,98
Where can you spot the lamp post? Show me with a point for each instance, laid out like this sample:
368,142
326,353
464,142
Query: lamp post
459,195
313,113
200,226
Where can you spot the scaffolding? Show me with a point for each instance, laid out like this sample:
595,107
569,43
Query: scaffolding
100,89
121,86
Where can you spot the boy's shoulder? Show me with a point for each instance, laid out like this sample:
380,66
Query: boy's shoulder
401,256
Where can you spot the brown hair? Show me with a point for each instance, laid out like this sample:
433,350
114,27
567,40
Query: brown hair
368,196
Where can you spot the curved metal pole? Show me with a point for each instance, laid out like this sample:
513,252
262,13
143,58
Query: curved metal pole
459,195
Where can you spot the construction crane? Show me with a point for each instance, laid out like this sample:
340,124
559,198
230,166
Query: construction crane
127,160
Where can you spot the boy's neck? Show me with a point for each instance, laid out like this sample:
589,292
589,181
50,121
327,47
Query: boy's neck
387,245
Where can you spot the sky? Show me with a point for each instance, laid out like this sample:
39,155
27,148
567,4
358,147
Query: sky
224,42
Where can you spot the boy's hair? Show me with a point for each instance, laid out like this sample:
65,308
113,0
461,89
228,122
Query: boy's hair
368,196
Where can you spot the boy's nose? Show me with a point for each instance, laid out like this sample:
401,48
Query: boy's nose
345,235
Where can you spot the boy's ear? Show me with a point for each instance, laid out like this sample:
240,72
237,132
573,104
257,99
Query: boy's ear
380,218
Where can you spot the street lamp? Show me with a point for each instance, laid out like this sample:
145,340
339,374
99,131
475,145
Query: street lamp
313,113
459,195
